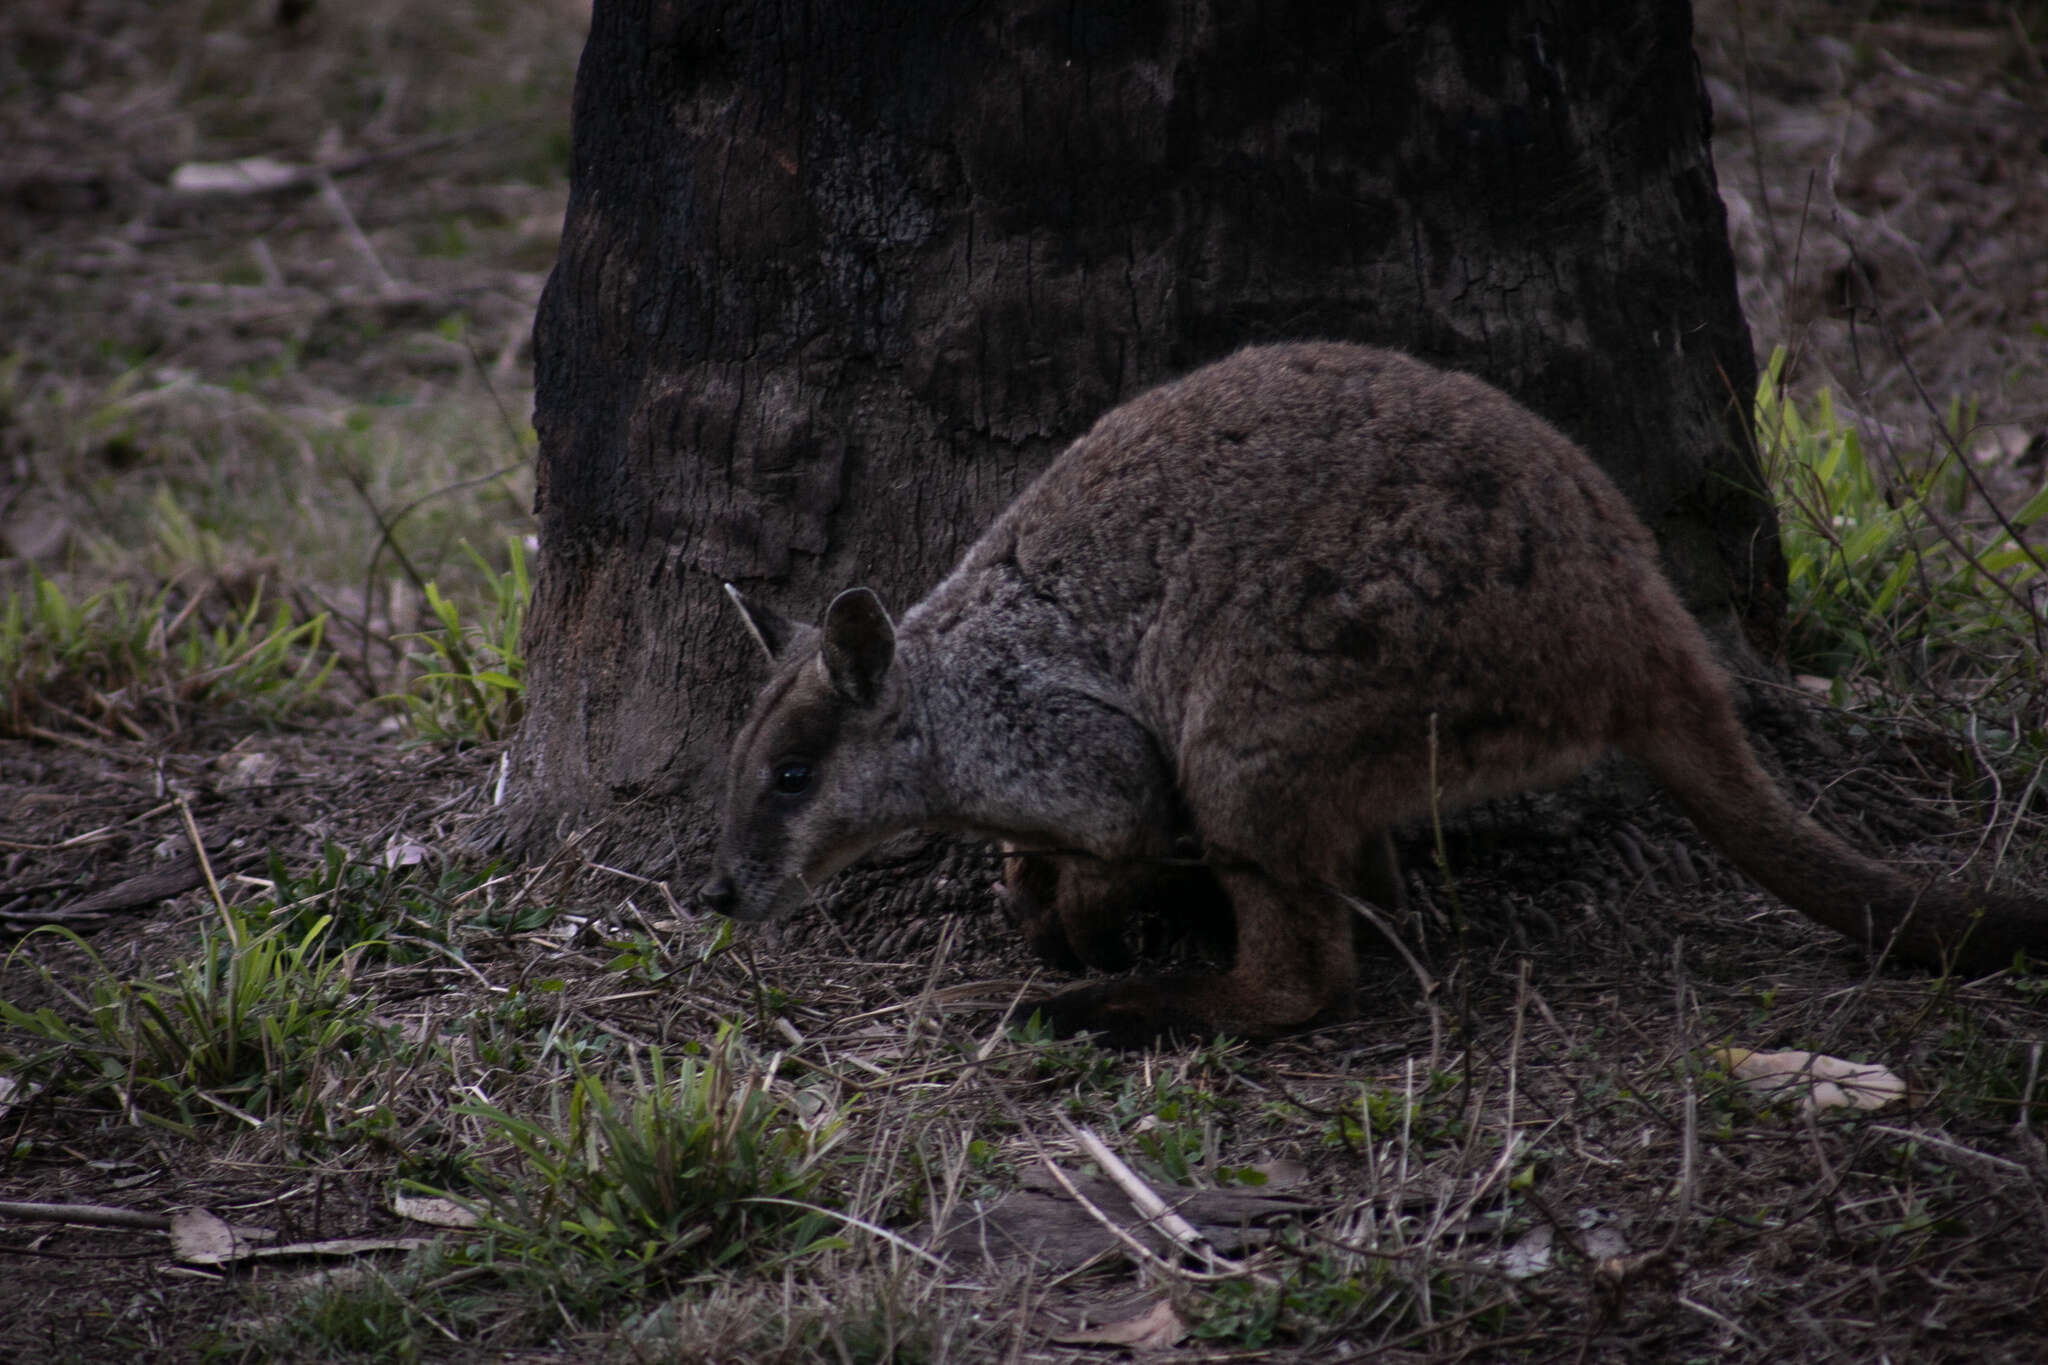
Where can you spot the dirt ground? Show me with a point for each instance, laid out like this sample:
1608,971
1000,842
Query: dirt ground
1887,179
1886,182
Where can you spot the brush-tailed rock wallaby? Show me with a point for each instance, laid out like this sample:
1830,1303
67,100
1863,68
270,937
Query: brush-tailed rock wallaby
1247,612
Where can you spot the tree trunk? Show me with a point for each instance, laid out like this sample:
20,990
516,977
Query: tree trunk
836,280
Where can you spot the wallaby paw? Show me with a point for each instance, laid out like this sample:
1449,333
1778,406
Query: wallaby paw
1135,1012
1043,933
1030,901
1100,951
1126,1015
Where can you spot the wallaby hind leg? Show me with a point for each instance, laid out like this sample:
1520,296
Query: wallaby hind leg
1184,908
1080,912
1070,919
1294,968
1379,877
1379,885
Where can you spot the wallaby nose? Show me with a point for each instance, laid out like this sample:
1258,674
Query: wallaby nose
717,895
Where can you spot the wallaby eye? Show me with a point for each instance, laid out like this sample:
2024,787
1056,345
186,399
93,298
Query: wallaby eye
791,779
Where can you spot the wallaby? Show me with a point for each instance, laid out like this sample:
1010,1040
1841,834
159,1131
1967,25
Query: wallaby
1257,611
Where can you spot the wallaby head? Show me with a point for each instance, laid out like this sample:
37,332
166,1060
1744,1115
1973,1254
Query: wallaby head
827,765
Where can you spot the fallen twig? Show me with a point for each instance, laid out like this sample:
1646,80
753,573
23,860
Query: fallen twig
93,1215
1147,1201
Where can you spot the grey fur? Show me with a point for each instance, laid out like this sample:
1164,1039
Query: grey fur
1239,608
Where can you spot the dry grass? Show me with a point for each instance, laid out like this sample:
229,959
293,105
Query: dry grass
1538,1155
1522,1149
319,390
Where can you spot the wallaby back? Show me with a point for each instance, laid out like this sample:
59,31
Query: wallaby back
1263,609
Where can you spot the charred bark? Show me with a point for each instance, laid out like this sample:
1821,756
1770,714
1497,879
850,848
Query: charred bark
835,280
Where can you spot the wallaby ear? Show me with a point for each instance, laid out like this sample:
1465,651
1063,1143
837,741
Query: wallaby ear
773,631
859,644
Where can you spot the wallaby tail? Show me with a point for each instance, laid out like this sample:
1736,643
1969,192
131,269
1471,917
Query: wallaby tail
1701,755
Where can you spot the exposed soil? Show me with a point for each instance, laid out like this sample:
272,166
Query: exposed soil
1886,182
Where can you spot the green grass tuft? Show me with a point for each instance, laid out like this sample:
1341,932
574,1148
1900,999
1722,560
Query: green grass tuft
472,684
116,661
700,1166
239,1029
1901,587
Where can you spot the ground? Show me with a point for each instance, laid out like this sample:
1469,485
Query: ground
1528,1145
